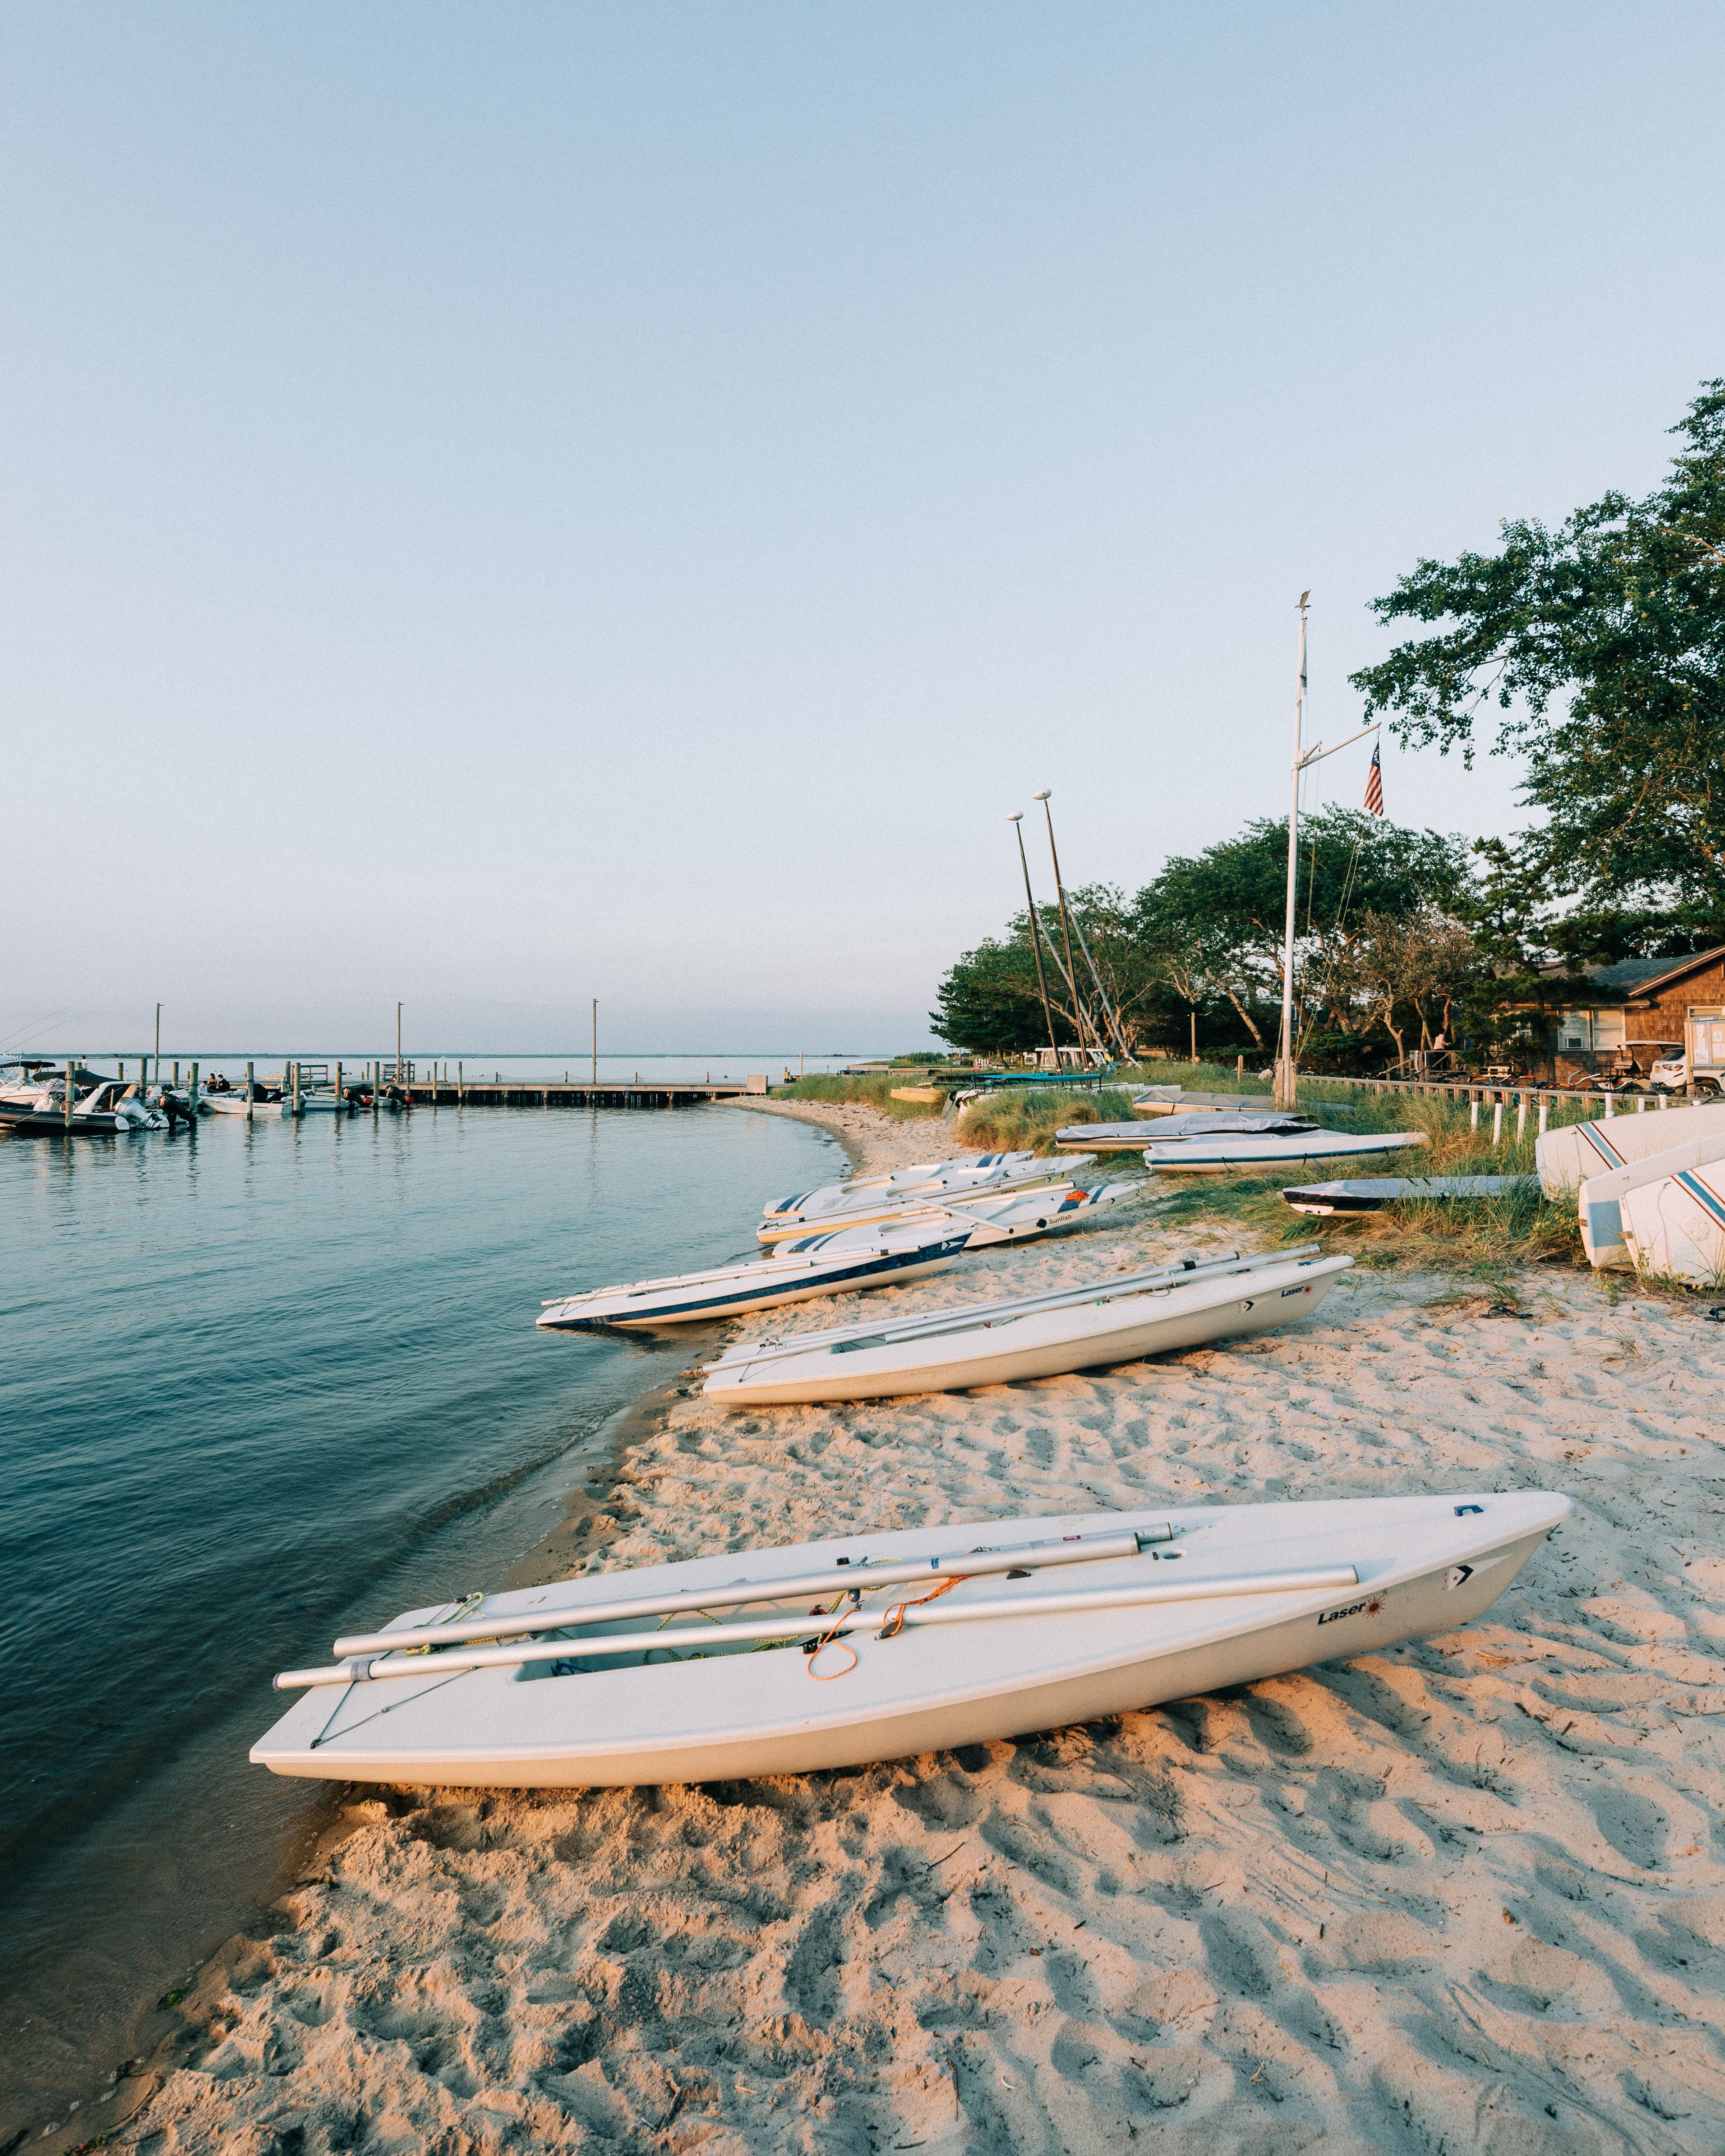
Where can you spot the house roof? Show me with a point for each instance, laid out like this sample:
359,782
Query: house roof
1636,979
1662,971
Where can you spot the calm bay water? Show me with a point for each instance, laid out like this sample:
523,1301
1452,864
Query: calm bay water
259,1384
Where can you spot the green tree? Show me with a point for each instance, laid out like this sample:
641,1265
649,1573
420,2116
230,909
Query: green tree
988,1004
1214,921
1602,644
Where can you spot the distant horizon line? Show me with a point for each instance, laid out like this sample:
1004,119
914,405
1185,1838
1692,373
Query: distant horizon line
440,1055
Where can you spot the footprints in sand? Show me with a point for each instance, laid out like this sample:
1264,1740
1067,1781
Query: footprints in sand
1467,1895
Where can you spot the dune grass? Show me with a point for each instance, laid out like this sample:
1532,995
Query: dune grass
1025,1118
1485,1239
873,1091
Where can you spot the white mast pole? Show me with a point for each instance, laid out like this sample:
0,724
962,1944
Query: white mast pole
1285,1084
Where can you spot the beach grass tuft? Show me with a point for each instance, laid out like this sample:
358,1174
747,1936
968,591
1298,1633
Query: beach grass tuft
872,1089
1025,1118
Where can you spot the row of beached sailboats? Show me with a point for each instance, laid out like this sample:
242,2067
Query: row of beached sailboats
867,1647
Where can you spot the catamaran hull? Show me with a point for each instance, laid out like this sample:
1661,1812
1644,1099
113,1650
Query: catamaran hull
736,1717
1042,1344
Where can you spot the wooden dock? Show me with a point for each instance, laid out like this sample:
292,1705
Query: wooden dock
541,1093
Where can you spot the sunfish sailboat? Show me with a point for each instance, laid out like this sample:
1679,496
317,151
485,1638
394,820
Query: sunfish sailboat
1015,1216
883,1647
1116,1319
884,1197
1603,1196
1178,1127
796,1271
1260,1152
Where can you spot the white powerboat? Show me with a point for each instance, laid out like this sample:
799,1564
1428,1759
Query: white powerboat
256,1108
718,1668
887,1197
796,1271
1119,1318
33,1097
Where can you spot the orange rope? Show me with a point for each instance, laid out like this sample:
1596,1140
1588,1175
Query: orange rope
896,1615
893,1624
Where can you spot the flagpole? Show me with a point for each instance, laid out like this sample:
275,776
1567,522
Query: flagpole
1285,1082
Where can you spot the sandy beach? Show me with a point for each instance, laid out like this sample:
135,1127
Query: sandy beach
1465,1894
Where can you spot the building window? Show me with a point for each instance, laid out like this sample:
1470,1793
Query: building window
1573,1031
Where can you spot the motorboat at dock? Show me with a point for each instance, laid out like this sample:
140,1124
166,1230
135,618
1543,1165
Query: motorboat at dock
32,1097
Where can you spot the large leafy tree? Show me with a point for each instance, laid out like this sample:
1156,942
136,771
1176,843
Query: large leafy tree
988,1002
1602,644
1216,919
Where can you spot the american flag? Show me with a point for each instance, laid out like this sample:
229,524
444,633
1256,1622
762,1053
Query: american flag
1375,785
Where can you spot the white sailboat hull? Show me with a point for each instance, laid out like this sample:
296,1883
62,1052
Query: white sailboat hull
816,1212
1602,1198
831,1264
1246,1156
1006,1349
1674,1225
1570,1156
1425,1564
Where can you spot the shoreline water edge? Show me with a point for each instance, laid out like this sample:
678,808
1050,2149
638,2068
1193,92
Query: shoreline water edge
1466,1893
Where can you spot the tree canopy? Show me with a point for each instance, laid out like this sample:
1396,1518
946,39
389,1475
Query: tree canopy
1204,936
1602,643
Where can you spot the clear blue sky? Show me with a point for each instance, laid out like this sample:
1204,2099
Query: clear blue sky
504,504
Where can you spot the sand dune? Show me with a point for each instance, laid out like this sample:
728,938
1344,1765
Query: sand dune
1462,1896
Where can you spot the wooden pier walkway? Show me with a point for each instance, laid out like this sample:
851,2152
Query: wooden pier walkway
554,1093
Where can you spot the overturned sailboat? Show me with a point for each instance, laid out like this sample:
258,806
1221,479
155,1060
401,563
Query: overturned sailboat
1372,1194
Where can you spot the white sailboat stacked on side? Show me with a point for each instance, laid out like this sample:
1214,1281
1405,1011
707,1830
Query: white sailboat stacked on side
1571,1155
1673,1225
929,1638
872,1198
1118,1319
